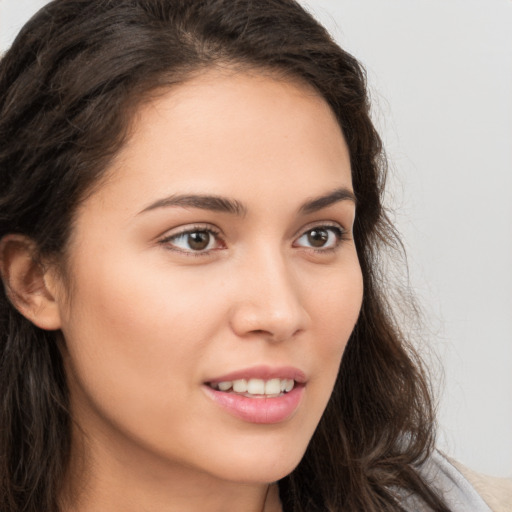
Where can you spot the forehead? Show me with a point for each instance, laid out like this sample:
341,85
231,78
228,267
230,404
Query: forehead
242,134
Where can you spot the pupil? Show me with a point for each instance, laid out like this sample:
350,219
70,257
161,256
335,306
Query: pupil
318,237
198,240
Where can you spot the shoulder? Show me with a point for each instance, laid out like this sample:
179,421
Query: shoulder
463,489
496,492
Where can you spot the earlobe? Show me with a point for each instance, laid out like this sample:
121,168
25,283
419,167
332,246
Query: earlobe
27,283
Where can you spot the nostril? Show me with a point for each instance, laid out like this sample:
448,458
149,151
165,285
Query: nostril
272,318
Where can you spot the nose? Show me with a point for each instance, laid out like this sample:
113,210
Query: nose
267,301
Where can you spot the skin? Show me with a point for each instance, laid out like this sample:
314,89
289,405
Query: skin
146,320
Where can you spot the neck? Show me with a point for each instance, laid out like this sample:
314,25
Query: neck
103,481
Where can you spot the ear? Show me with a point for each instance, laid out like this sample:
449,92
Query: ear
29,286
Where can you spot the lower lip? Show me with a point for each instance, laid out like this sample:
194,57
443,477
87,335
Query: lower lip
264,410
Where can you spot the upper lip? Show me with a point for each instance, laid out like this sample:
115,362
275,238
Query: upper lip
262,372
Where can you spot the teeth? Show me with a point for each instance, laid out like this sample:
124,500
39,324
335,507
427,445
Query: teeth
240,386
271,387
256,387
224,386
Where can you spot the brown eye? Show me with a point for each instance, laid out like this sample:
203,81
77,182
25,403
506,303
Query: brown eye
199,240
318,237
321,238
194,241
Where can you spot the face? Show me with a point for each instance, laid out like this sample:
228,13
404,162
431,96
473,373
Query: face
213,281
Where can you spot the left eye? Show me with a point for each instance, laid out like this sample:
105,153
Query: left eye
197,240
321,237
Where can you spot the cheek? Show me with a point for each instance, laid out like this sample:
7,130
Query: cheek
334,309
335,305
131,332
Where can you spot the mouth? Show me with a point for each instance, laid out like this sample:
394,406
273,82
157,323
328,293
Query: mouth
255,388
261,394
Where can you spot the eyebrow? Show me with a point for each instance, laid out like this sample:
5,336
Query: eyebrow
203,202
319,203
232,206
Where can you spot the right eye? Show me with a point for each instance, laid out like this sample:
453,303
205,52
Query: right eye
194,241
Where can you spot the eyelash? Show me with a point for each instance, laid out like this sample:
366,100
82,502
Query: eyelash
182,234
337,230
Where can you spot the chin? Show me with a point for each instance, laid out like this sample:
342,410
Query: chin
264,465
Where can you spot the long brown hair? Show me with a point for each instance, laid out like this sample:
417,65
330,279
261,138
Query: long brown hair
68,88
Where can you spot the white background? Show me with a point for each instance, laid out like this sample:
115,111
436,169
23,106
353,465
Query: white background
440,72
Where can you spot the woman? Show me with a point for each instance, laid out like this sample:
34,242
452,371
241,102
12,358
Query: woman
191,226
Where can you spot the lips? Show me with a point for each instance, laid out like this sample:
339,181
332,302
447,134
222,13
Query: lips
259,394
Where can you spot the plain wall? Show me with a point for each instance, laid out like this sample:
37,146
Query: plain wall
441,79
